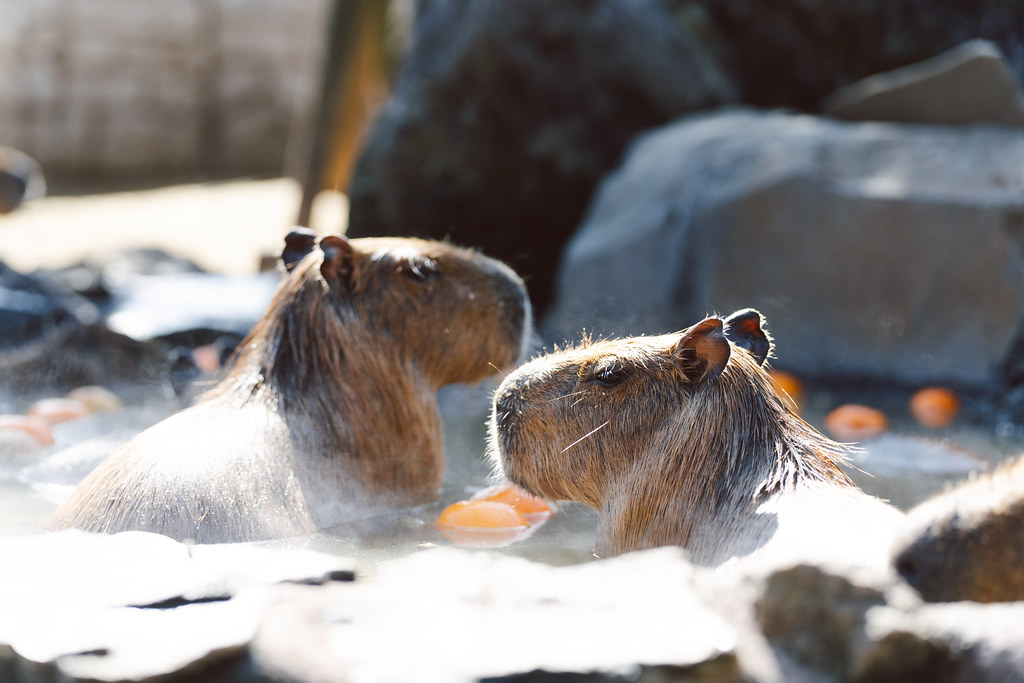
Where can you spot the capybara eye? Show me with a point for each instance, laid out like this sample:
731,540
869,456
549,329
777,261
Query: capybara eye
421,269
607,374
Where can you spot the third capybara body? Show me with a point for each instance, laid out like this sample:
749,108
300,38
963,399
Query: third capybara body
968,543
330,411
682,440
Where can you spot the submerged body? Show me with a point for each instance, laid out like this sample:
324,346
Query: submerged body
682,440
330,412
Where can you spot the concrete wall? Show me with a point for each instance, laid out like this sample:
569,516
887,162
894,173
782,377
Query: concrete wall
130,87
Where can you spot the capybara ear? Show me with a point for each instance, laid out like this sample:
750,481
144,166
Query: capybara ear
339,260
746,330
704,349
297,244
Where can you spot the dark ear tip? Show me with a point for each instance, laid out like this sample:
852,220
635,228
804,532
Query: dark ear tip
746,316
745,328
297,244
299,235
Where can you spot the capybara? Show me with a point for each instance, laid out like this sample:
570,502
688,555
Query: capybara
968,543
682,440
330,411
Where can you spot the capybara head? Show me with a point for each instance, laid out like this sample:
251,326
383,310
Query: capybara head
968,543
692,411
450,312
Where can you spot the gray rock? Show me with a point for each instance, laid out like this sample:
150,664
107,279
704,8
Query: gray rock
815,616
505,116
131,606
463,616
969,84
874,250
963,641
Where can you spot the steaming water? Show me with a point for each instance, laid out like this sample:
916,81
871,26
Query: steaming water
904,466
31,488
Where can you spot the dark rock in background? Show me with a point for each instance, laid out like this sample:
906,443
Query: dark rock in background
793,53
505,116
28,308
21,179
117,321
875,250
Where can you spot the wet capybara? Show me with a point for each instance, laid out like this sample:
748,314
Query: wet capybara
968,543
682,440
330,411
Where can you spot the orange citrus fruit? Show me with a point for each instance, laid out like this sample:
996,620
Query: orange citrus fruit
934,407
853,422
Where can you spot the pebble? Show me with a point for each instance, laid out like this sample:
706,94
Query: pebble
96,398
34,426
57,410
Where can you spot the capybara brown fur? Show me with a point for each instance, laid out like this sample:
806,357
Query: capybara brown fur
682,439
968,543
330,411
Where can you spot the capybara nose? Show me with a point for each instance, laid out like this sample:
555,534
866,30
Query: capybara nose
507,407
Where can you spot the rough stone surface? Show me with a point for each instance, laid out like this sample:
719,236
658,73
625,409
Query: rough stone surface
962,641
505,116
134,605
814,616
969,84
874,250
467,617
78,607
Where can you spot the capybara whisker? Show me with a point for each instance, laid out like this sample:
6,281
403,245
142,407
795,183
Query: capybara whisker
588,434
330,410
695,448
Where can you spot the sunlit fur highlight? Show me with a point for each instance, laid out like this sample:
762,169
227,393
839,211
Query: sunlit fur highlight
330,411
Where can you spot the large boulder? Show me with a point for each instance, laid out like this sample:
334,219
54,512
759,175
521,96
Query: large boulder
505,115
875,250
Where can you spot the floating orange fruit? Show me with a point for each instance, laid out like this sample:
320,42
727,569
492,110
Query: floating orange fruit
853,422
790,385
34,426
934,407
482,523
481,514
57,410
532,508
206,358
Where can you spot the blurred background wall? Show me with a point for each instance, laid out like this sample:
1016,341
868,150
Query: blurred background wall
189,89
